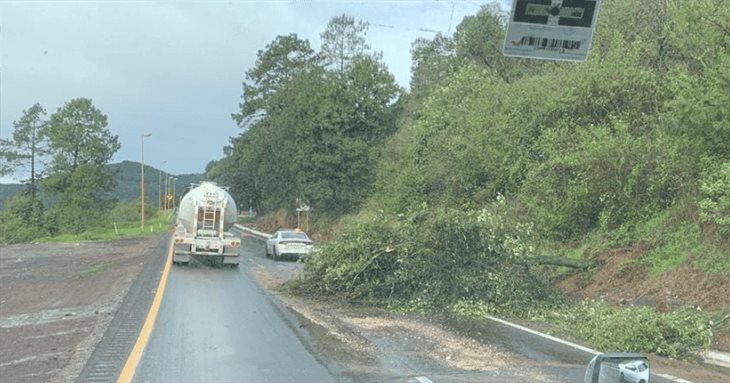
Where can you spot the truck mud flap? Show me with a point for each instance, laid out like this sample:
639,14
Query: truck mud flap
181,254
233,261
180,258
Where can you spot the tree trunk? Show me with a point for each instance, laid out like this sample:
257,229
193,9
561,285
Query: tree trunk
564,261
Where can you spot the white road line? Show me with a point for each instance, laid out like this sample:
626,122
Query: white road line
423,379
673,378
576,346
546,336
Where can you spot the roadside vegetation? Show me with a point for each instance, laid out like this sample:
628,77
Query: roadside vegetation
447,195
68,194
113,228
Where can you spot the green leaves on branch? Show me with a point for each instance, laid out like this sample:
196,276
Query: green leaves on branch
605,327
715,202
434,256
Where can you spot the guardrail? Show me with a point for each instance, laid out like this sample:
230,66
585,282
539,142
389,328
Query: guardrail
255,233
717,358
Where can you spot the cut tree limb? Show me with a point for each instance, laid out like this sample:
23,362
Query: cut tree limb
564,261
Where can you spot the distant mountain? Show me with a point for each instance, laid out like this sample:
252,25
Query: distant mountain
127,177
127,180
8,190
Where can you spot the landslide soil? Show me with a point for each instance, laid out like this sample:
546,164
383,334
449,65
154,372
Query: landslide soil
56,301
621,281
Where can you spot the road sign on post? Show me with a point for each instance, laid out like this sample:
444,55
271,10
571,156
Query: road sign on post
303,210
551,29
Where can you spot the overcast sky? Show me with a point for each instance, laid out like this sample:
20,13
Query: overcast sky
175,68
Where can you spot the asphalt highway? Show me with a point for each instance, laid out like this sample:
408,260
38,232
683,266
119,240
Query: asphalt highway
217,325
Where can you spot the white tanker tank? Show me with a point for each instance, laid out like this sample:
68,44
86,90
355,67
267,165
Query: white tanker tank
205,213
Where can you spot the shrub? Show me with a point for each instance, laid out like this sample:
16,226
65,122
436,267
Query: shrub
639,329
427,258
715,203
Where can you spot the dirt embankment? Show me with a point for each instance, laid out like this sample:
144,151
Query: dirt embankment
621,281
56,301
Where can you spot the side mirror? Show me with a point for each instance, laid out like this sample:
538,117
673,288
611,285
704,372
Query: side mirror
618,367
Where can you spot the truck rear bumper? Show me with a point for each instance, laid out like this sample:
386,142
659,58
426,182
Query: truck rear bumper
205,253
184,257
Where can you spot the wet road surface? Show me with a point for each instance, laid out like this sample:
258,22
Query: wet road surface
217,325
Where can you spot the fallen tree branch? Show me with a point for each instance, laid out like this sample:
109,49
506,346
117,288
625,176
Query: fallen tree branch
563,261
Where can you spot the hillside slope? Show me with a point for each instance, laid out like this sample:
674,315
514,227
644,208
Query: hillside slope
127,185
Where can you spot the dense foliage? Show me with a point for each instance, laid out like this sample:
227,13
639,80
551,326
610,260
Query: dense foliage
79,145
634,138
430,257
313,123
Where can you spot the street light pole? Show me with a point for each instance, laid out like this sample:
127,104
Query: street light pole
141,180
173,193
169,190
159,192
167,179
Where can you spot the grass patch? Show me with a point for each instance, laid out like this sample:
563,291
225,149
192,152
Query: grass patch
610,328
123,229
684,241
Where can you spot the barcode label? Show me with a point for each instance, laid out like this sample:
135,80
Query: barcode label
548,43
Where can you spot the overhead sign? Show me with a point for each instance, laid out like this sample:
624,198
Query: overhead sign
551,29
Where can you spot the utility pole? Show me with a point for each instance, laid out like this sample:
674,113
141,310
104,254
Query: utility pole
141,180
167,182
159,192
173,194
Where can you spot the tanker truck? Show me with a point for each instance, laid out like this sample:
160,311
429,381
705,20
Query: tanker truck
205,213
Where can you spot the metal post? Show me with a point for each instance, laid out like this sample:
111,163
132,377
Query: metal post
169,190
141,180
159,192
174,196
167,176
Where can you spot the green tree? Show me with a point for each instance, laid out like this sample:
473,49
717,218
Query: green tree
28,146
275,65
80,145
344,41
479,38
433,63
315,133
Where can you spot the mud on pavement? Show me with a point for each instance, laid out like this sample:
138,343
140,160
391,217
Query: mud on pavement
370,344
374,345
56,301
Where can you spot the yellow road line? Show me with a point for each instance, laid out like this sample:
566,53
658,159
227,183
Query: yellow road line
144,335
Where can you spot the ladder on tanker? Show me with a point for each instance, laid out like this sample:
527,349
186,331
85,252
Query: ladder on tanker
209,221
209,211
209,217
